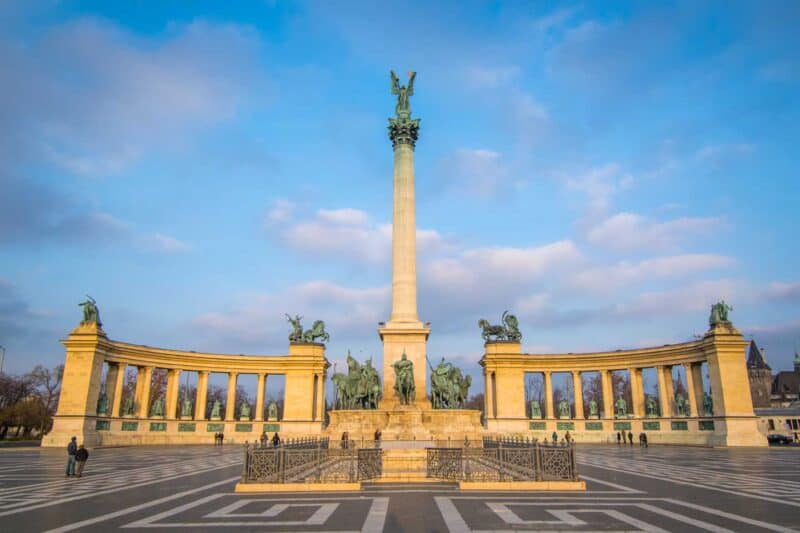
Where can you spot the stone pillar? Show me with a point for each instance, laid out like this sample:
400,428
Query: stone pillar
699,391
321,404
608,394
665,390
143,379
262,380
115,381
202,395
230,402
173,384
694,407
488,395
298,400
637,391
548,395
577,385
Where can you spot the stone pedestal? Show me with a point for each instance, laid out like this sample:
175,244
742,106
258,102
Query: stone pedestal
409,423
186,418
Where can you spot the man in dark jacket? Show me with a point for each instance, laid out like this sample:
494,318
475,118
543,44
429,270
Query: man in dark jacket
276,440
81,457
630,437
72,449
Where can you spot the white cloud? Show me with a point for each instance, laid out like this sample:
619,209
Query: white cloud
164,243
783,291
599,184
478,172
715,151
630,231
482,77
281,211
626,274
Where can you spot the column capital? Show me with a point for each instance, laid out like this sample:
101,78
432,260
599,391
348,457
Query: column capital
403,131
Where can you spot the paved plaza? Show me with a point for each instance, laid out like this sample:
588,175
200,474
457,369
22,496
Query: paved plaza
191,489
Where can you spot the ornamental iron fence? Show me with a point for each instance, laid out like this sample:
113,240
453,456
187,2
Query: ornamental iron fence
310,461
503,460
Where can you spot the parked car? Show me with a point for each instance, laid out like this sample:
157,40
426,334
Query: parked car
777,438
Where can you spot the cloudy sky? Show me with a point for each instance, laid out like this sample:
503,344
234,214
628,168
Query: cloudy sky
605,171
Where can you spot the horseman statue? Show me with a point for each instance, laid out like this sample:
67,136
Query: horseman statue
449,387
317,331
404,380
360,388
507,330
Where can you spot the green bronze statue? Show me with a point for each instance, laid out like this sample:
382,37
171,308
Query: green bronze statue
215,408
128,406
317,331
403,107
719,313
708,404
102,404
651,406
158,407
508,330
536,409
186,407
563,409
404,380
593,408
403,129
360,388
680,405
244,410
449,387
621,406
272,411
91,314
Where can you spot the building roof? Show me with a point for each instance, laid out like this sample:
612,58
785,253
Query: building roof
755,359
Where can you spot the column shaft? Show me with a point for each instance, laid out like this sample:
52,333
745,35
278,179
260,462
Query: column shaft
577,385
173,385
201,396
143,397
695,407
404,238
699,391
608,394
665,390
230,402
637,391
548,393
115,398
321,397
262,379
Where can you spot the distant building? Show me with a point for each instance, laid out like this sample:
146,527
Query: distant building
786,385
760,377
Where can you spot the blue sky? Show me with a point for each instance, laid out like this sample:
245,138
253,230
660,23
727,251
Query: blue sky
605,170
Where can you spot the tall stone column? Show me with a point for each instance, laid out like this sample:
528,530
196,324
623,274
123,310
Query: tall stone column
665,390
230,402
404,333
173,385
608,394
548,395
115,381
577,386
143,380
695,408
202,395
699,391
262,380
637,391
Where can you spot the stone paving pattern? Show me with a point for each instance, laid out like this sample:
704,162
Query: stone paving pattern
191,488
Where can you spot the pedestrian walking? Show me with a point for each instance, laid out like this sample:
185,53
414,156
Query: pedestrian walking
276,440
263,439
619,438
345,440
644,439
555,438
221,438
641,440
568,437
72,449
81,456
630,437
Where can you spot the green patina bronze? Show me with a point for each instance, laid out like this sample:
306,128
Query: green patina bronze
187,427
215,427
593,408
507,330
719,313
651,406
708,404
244,410
621,406
594,426
158,426
102,404
317,331
403,130
91,314
243,428
404,380
536,409
706,425
158,407
680,425
681,409
620,426
215,409
128,406
360,388
272,411
563,409
651,426
186,407
102,425
449,386
130,426
537,426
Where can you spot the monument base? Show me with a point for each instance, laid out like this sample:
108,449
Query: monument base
406,422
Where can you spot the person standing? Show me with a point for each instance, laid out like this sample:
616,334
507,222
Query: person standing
221,438
619,438
81,457
630,437
644,439
377,436
276,440
264,439
72,449
554,436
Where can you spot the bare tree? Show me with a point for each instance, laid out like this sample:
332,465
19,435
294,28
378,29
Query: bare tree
47,384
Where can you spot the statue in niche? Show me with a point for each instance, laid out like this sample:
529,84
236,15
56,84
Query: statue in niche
404,379
244,410
215,407
128,406
708,404
508,330
91,314
651,406
621,406
102,404
158,407
186,407
563,409
680,405
719,313
593,408
536,409
272,411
